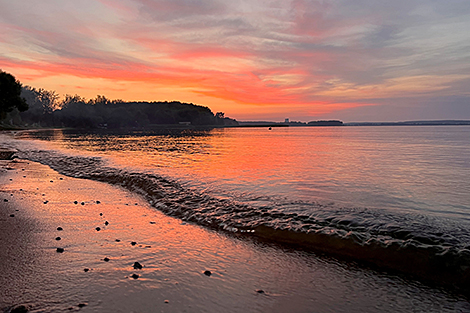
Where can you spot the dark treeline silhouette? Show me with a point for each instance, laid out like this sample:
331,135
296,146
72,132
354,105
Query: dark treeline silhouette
46,110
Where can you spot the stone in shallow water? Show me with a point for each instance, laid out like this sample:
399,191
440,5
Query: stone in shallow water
137,265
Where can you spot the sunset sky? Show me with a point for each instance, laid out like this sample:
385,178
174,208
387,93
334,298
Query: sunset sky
354,60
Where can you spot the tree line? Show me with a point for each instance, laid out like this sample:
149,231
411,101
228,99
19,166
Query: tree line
44,108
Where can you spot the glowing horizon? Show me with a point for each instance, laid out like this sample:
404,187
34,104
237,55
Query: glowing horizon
302,60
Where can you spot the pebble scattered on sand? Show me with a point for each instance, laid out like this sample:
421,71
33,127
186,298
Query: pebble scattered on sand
81,305
208,273
135,276
106,223
98,201
152,222
106,259
133,243
19,309
260,291
118,240
83,203
60,250
12,215
46,202
86,270
98,228
101,214
167,301
58,238
75,202
137,266
60,228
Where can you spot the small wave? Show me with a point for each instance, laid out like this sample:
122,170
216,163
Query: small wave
413,244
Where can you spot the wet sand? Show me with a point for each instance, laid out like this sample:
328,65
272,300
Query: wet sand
95,272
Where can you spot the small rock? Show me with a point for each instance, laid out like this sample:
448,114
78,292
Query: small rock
152,222
135,276
98,229
5,200
106,223
60,250
101,214
86,270
12,215
260,291
60,228
83,203
118,240
81,305
51,180
98,201
61,178
167,301
46,202
106,259
208,273
133,243
58,238
19,309
137,266
75,202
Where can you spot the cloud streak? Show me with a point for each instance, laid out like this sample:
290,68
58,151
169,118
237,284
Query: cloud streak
303,57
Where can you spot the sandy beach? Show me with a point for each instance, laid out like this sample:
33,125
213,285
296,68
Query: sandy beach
103,230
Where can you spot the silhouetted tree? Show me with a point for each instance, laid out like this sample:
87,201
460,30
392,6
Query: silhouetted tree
10,95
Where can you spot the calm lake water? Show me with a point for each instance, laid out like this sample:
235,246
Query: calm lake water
394,196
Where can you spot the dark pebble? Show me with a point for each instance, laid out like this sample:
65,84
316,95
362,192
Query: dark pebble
60,228
12,215
81,305
152,222
61,178
5,200
260,291
167,301
106,259
19,309
137,266
101,214
98,229
83,203
51,180
75,202
98,202
60,250
86,270
207,273
106,223
46,202
135,276
58,238
118,240
133,243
